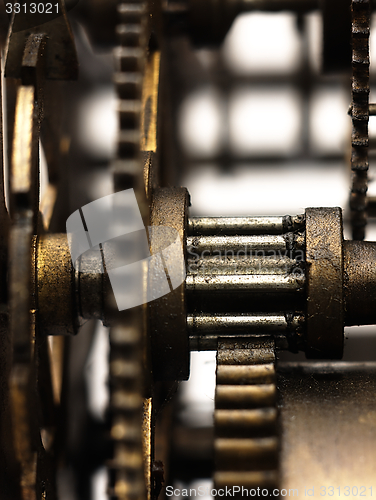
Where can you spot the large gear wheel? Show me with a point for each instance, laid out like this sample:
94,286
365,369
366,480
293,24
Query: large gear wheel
33,382
130,403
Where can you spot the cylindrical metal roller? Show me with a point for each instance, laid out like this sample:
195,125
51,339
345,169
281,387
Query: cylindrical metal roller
238,246
245,283
205,226
206,324
244,265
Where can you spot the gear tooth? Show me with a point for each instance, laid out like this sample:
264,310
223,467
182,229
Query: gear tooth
129,34
128,143
125,429
129,59
129,113
126,371
128,85
131,13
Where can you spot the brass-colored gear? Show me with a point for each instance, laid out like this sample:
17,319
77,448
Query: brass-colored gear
126,375
246,444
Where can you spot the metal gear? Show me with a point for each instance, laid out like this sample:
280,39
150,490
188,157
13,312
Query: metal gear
31,381
360,113
246,443
126,372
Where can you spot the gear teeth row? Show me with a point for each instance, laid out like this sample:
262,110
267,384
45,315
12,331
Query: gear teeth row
130,60
126,404
246,443
127,477
360,114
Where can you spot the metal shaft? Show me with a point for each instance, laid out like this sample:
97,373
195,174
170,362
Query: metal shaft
237,246
243,265
245,283
204,226
233,325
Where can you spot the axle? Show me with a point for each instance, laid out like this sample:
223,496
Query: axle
292,278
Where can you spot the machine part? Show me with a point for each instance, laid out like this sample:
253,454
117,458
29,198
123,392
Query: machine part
246,283
215,286
60,59
340,394
324,259
247,265
359,281
245,418
203,324
235,245
57,311
167,315
360,114
127,361
128,343
30,377
126,406
130,59
91,287
205,330
215,226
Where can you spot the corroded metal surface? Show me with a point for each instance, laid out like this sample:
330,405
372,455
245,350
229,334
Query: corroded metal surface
232,324
29,375
60,59
228,291
90,285
359,285
167,315
360,112
328,428
57,312
247,283
203,226
264,244
147,433
243,265
324,258
245,417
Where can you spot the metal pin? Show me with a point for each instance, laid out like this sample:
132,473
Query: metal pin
236,246
243,265
235,225
244,283
207,324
